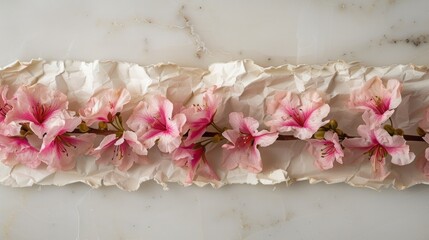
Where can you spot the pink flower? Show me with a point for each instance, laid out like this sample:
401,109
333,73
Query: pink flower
13,128
153,121
18,150
199,117
194,158
326,151
35,105
121,151
378,144
378,101
426,164
245,139
104,103
301,114
59,148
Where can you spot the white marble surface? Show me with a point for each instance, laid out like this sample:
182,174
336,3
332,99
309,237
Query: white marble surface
197,33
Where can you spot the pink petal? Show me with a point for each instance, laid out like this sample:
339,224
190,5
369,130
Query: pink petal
231,135
17,150
253,161
426,167
377,99
358,143
168,143
152,122
36,104
378,166
326,151
301,114
231,158
134,143
121,152
205,170
61,154
103,103
394,87
265,138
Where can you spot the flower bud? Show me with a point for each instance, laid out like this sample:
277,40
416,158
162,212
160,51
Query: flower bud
23,132
216,138
102,126
83,127
389,129
319,134
399,132
326,126
421,132
333,124
339,132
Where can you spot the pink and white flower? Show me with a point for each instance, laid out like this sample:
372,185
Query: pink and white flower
121,151
377,101
426,164
244,141
153,121
60,148
194,158
18,150
103,104
327,150
378,143
199,117
36,105
301,114
13,128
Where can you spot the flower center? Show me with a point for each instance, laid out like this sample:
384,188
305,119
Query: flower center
379,152
158,124
62,143
40,112
378,105
328,150
298,116
244,140
199,107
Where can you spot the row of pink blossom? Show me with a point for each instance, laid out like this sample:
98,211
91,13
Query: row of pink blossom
37,128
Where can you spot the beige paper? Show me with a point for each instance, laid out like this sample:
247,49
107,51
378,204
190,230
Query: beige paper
244,87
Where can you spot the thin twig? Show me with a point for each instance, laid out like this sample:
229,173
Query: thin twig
212,134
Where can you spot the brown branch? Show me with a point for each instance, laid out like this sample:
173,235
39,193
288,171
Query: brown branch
290,137
96,131
212,134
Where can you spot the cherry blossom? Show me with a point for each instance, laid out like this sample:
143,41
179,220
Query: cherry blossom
121,151
60,148
326,150
13,128
18,150
35,105
199,117
425,166
153,122
244,140
377,101
104,104
378,143
301,114
193,157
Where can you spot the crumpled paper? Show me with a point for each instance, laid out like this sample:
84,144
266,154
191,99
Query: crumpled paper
244,86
